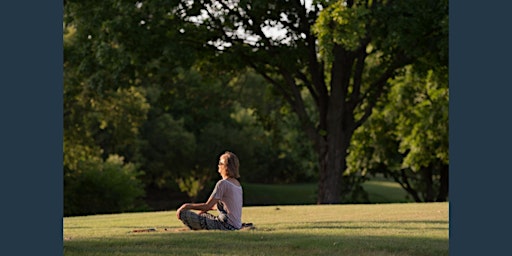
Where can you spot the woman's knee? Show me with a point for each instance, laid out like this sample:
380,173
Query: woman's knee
185,213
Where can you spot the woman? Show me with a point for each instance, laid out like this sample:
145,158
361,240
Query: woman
226,198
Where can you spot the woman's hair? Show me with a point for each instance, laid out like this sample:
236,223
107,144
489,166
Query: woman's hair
232,164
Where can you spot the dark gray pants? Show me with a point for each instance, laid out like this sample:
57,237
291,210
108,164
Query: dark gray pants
205,221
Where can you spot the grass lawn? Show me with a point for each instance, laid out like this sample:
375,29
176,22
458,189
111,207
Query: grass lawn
363,229
379,191
384,191
285,194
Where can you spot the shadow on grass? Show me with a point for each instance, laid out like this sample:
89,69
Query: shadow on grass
258,242
395,225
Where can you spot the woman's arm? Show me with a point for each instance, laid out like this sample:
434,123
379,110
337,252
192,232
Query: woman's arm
203,207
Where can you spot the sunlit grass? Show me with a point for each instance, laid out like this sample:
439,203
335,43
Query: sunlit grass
384,191
377,229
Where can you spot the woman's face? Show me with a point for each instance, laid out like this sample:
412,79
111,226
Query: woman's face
222,166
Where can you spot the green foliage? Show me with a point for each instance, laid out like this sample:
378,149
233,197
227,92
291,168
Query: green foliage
99,126
166,86
362,44
119,116
407,136
103,187
280,153
168,150
415,28
341,25
118,63
191,185
422,129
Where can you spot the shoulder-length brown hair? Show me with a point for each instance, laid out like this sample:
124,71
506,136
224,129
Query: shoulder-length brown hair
232,164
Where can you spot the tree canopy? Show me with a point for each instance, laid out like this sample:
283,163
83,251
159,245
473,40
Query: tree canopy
341,54
165,86
407,136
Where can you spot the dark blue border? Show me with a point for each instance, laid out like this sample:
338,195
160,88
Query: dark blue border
480,127
31,127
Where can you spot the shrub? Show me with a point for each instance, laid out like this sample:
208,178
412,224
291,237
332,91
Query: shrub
103,186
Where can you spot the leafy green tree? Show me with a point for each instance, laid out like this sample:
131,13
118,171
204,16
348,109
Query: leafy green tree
407,136
342,53
99,125
182,106
105,105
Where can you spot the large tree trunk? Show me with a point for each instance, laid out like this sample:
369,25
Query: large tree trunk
329,184
443,190
429,184
340,126
332,165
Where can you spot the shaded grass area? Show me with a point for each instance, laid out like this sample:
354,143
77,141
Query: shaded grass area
377,229
379,191
259,244
282,194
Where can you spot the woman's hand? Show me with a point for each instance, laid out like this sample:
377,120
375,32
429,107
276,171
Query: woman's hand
203,207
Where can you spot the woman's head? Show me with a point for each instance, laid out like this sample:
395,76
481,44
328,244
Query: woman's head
229,162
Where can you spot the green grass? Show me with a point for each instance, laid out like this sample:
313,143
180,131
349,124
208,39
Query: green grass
371,229
384,191
379,191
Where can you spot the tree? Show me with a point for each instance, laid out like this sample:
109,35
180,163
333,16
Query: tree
134,87
342,53
280,154
99,126
407,137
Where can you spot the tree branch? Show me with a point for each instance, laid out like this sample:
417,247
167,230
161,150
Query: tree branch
376,89
278,85
299,107
358,74
310,87
256,27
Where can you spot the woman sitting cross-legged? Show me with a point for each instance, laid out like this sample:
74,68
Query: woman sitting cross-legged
226,198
